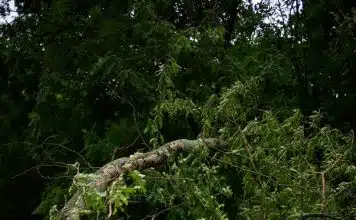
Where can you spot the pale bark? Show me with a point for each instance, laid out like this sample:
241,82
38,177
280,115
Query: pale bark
139,161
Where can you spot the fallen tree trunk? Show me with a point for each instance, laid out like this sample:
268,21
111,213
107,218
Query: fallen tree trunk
139,161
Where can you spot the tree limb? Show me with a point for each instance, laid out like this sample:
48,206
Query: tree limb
139,161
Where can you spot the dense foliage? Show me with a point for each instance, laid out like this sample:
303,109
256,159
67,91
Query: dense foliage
85,82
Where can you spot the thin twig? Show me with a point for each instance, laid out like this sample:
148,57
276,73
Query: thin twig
75,152
117,148
135,119
153,216
59,164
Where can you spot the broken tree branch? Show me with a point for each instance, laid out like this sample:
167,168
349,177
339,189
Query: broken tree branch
139,161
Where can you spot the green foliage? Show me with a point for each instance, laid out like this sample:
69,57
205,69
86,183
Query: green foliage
120,193
279,169
281,174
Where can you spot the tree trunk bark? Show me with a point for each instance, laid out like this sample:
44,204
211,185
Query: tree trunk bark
139,161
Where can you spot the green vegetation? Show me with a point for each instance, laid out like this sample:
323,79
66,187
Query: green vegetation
101,103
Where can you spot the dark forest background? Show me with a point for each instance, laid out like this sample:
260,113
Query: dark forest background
83,82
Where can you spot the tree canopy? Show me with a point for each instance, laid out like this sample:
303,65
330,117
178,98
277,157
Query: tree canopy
101,103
